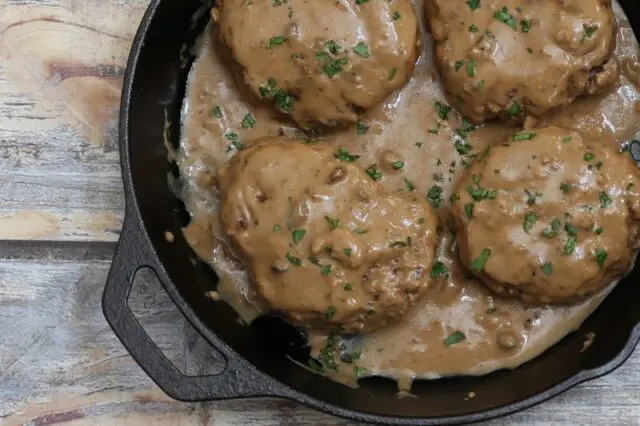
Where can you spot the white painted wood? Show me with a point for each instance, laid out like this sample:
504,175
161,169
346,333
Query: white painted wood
61,66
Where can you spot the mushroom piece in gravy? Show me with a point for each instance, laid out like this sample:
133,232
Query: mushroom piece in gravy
321,239
322,62
513,58
550,216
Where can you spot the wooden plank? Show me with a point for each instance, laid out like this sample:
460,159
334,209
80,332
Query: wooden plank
60,363
61,69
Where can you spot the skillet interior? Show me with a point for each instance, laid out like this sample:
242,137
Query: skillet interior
156,88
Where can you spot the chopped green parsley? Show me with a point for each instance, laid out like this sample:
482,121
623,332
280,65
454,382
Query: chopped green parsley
331,312
294,260
435,196
514,110
409,185
479,262
473,4
442,110
297,235
454,338
468,209
333,222
505,17
605,200
439,270
344,155
248,122
523,136
276,41
601,257
361,128
362,49
530,219
373,172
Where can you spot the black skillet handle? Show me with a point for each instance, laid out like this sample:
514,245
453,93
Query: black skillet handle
236,381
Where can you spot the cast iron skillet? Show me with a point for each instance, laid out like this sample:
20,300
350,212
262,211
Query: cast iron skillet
154,88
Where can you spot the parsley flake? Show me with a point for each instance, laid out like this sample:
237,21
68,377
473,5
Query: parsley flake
333,68
435,196
471,69
439,270
523,136
468,210
248,122
570,245
588,31
601,257
605,200
410,185
514,110
398,165
505,17
326,271
455,338
276,41
294,260
373,172
360,372
331,312
473,4
333,222
530,219
344,155
442,110
297,235
479,262
362,49
361,128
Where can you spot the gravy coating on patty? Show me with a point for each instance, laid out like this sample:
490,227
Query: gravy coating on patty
321,239
510,59
323,62
550,216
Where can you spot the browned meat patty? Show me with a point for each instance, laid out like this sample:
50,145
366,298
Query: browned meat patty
322,62
322,240
549,217
514,58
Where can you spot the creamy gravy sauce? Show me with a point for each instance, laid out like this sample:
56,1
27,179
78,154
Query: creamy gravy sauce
498,333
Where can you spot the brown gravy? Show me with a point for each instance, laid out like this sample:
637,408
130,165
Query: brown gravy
498,333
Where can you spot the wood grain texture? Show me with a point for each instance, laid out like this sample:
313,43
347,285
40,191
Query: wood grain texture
61,364
61,68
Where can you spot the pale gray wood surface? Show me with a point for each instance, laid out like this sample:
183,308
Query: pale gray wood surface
61,66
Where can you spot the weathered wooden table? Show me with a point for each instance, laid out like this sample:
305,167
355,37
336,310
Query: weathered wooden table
61,68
